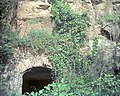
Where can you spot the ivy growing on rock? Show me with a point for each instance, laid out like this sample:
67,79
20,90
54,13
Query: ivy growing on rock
67,21
75,75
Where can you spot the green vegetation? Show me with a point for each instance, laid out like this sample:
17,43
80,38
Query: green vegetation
8,39
75,75
8,43
37,41
110,17
33,20
69,22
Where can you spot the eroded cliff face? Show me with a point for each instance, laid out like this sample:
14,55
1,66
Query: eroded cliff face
95,9
35,14
107,32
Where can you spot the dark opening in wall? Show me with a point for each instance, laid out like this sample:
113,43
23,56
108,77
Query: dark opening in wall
35,79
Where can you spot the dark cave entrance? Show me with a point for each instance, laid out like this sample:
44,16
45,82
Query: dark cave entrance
34,79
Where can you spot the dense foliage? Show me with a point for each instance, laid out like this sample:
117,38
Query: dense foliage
8,43
8,39
74,73
68,21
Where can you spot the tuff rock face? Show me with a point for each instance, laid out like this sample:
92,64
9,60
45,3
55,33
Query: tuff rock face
35,14
26,63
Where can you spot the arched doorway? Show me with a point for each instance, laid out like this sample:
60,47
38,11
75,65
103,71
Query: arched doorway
34,79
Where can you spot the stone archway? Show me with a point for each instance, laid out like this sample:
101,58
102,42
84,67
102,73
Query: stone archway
35,79
24,70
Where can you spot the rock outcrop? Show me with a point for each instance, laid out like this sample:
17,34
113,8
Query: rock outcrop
33,15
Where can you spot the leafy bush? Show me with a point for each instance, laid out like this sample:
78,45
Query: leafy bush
68,21
8,43
110,17
62,89
75,75
37,41
108,85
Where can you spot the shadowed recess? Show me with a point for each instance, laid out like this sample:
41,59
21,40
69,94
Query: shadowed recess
35,79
